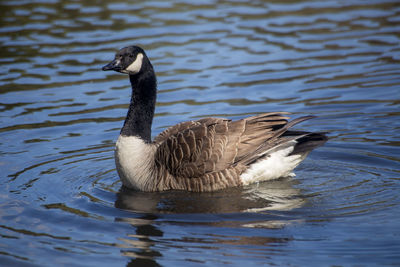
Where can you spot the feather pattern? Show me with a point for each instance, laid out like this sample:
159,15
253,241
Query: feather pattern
212,153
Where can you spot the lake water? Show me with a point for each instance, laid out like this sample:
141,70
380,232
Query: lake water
61,201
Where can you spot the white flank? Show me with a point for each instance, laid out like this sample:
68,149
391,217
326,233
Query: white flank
275,165
136,65
135,161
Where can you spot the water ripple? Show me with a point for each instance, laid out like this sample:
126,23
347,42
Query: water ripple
60,116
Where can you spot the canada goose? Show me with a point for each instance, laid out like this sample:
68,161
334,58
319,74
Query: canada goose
204,155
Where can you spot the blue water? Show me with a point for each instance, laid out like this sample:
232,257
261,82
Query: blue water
61,201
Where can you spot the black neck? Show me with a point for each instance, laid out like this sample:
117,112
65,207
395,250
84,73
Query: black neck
141,109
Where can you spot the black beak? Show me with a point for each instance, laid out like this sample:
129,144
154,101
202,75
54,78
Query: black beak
113,65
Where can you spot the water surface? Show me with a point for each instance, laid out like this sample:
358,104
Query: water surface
61,201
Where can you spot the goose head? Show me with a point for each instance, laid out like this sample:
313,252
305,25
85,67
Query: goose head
129,60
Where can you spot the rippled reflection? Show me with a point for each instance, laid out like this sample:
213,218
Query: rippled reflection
274,195
60,197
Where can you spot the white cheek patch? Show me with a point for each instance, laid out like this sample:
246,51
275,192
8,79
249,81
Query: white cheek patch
136,65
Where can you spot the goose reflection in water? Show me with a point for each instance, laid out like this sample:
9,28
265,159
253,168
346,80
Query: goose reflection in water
277,195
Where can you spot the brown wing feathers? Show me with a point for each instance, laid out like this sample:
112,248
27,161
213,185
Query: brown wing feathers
192,149
196,150
274,139
257,131
211,153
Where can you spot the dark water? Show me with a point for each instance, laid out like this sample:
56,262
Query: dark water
60,196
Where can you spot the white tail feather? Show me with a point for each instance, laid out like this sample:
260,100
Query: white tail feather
276,164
